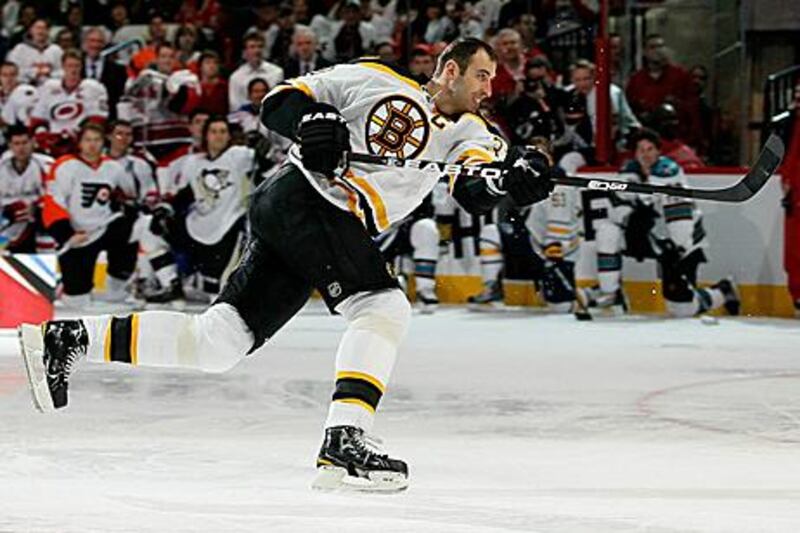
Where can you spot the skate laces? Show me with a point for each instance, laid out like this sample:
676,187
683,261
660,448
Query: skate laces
369,444
69,342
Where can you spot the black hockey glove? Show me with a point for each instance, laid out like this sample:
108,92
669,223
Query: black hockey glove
162,218
324,138
528,175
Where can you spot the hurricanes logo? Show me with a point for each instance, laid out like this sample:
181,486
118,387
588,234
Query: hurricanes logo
397,126
66,111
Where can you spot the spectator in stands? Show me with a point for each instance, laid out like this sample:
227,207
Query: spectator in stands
382,18
103,69
22,177
699,75
421,64
253,67
347,38
17,99
432,24
385,52
37,59
278,37
26,17
246,117
661,81
213,87
304,57
623,121
535,112
156,36
525,25
74,22
466,22
66,39
63,105
619,73
665,122
488,13
118,18
186,44
507,83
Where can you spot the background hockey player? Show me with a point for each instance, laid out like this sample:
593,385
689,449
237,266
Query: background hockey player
62,105
629,226
16,99
22,175
37,58
311,225
83,214
205,219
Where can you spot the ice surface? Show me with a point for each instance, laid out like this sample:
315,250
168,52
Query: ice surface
509,421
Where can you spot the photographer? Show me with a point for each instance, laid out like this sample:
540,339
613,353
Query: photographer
535,112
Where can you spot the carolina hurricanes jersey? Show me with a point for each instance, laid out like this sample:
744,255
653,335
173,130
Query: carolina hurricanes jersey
19,104
64,110
140,180
220,186
82,193
390,114
36,64
26,185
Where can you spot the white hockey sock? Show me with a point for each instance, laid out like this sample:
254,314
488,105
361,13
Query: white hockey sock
425,241
377,323
491,254
213,341
609,272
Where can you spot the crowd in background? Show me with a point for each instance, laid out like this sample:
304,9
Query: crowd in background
153,73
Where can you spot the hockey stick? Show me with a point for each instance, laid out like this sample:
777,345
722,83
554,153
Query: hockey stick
752,182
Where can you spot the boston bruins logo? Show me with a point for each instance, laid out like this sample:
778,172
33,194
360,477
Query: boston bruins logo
397,126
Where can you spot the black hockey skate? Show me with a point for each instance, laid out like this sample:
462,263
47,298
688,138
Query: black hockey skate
492,293
728,289
171,294
349,460
591,302
50,351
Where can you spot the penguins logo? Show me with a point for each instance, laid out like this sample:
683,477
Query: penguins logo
397,126
213,181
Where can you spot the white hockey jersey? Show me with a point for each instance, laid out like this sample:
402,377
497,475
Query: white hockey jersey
26,185
82,193
36,64
19,104
221,187
140,179
392,115
64,110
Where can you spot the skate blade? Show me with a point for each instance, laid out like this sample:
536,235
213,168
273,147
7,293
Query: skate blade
31,343
336,479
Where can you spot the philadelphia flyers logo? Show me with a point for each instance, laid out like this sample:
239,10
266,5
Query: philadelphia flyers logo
397,126
95,192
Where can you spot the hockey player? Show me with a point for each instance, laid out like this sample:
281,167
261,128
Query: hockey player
205,219
22,174
63,104
629,227
417,236
168,174
17,99
83,214
310,227
142,188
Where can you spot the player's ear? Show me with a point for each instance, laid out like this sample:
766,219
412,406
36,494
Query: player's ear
451,70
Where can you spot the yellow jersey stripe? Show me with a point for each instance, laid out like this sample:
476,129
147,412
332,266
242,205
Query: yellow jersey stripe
375,200
299,85
358,402
134,339
364,377
390,72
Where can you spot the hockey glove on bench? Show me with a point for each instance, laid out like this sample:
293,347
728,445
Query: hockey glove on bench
324,138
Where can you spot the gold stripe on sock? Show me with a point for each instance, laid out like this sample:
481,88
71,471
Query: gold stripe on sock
365,377
356,401
135,339
107,343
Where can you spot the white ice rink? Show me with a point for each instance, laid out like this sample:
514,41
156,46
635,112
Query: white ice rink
509,421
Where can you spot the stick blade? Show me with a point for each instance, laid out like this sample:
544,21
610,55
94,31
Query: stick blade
767,163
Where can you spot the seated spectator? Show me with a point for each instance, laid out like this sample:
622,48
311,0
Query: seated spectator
156,36
347,37
385,52
619,71
582,75
661,81
82,215
63,105
74,23
108,72
699,75
66,39
278,37
22,177
383,18
38,59
510,65
213,87
186,45
421,63
17,99
535,113
666,123
466,22
26,16
304,57
488,13
432,25
254,66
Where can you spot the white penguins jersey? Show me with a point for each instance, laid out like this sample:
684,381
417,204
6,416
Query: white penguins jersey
64,110
389,114
220,187
26,185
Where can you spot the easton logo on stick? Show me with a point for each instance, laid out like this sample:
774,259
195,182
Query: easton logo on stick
606,186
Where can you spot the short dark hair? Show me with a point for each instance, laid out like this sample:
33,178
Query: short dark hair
89,125
253,36
646,134
255,81
213,119
9,64
118,122
71,53
17,129
461,51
